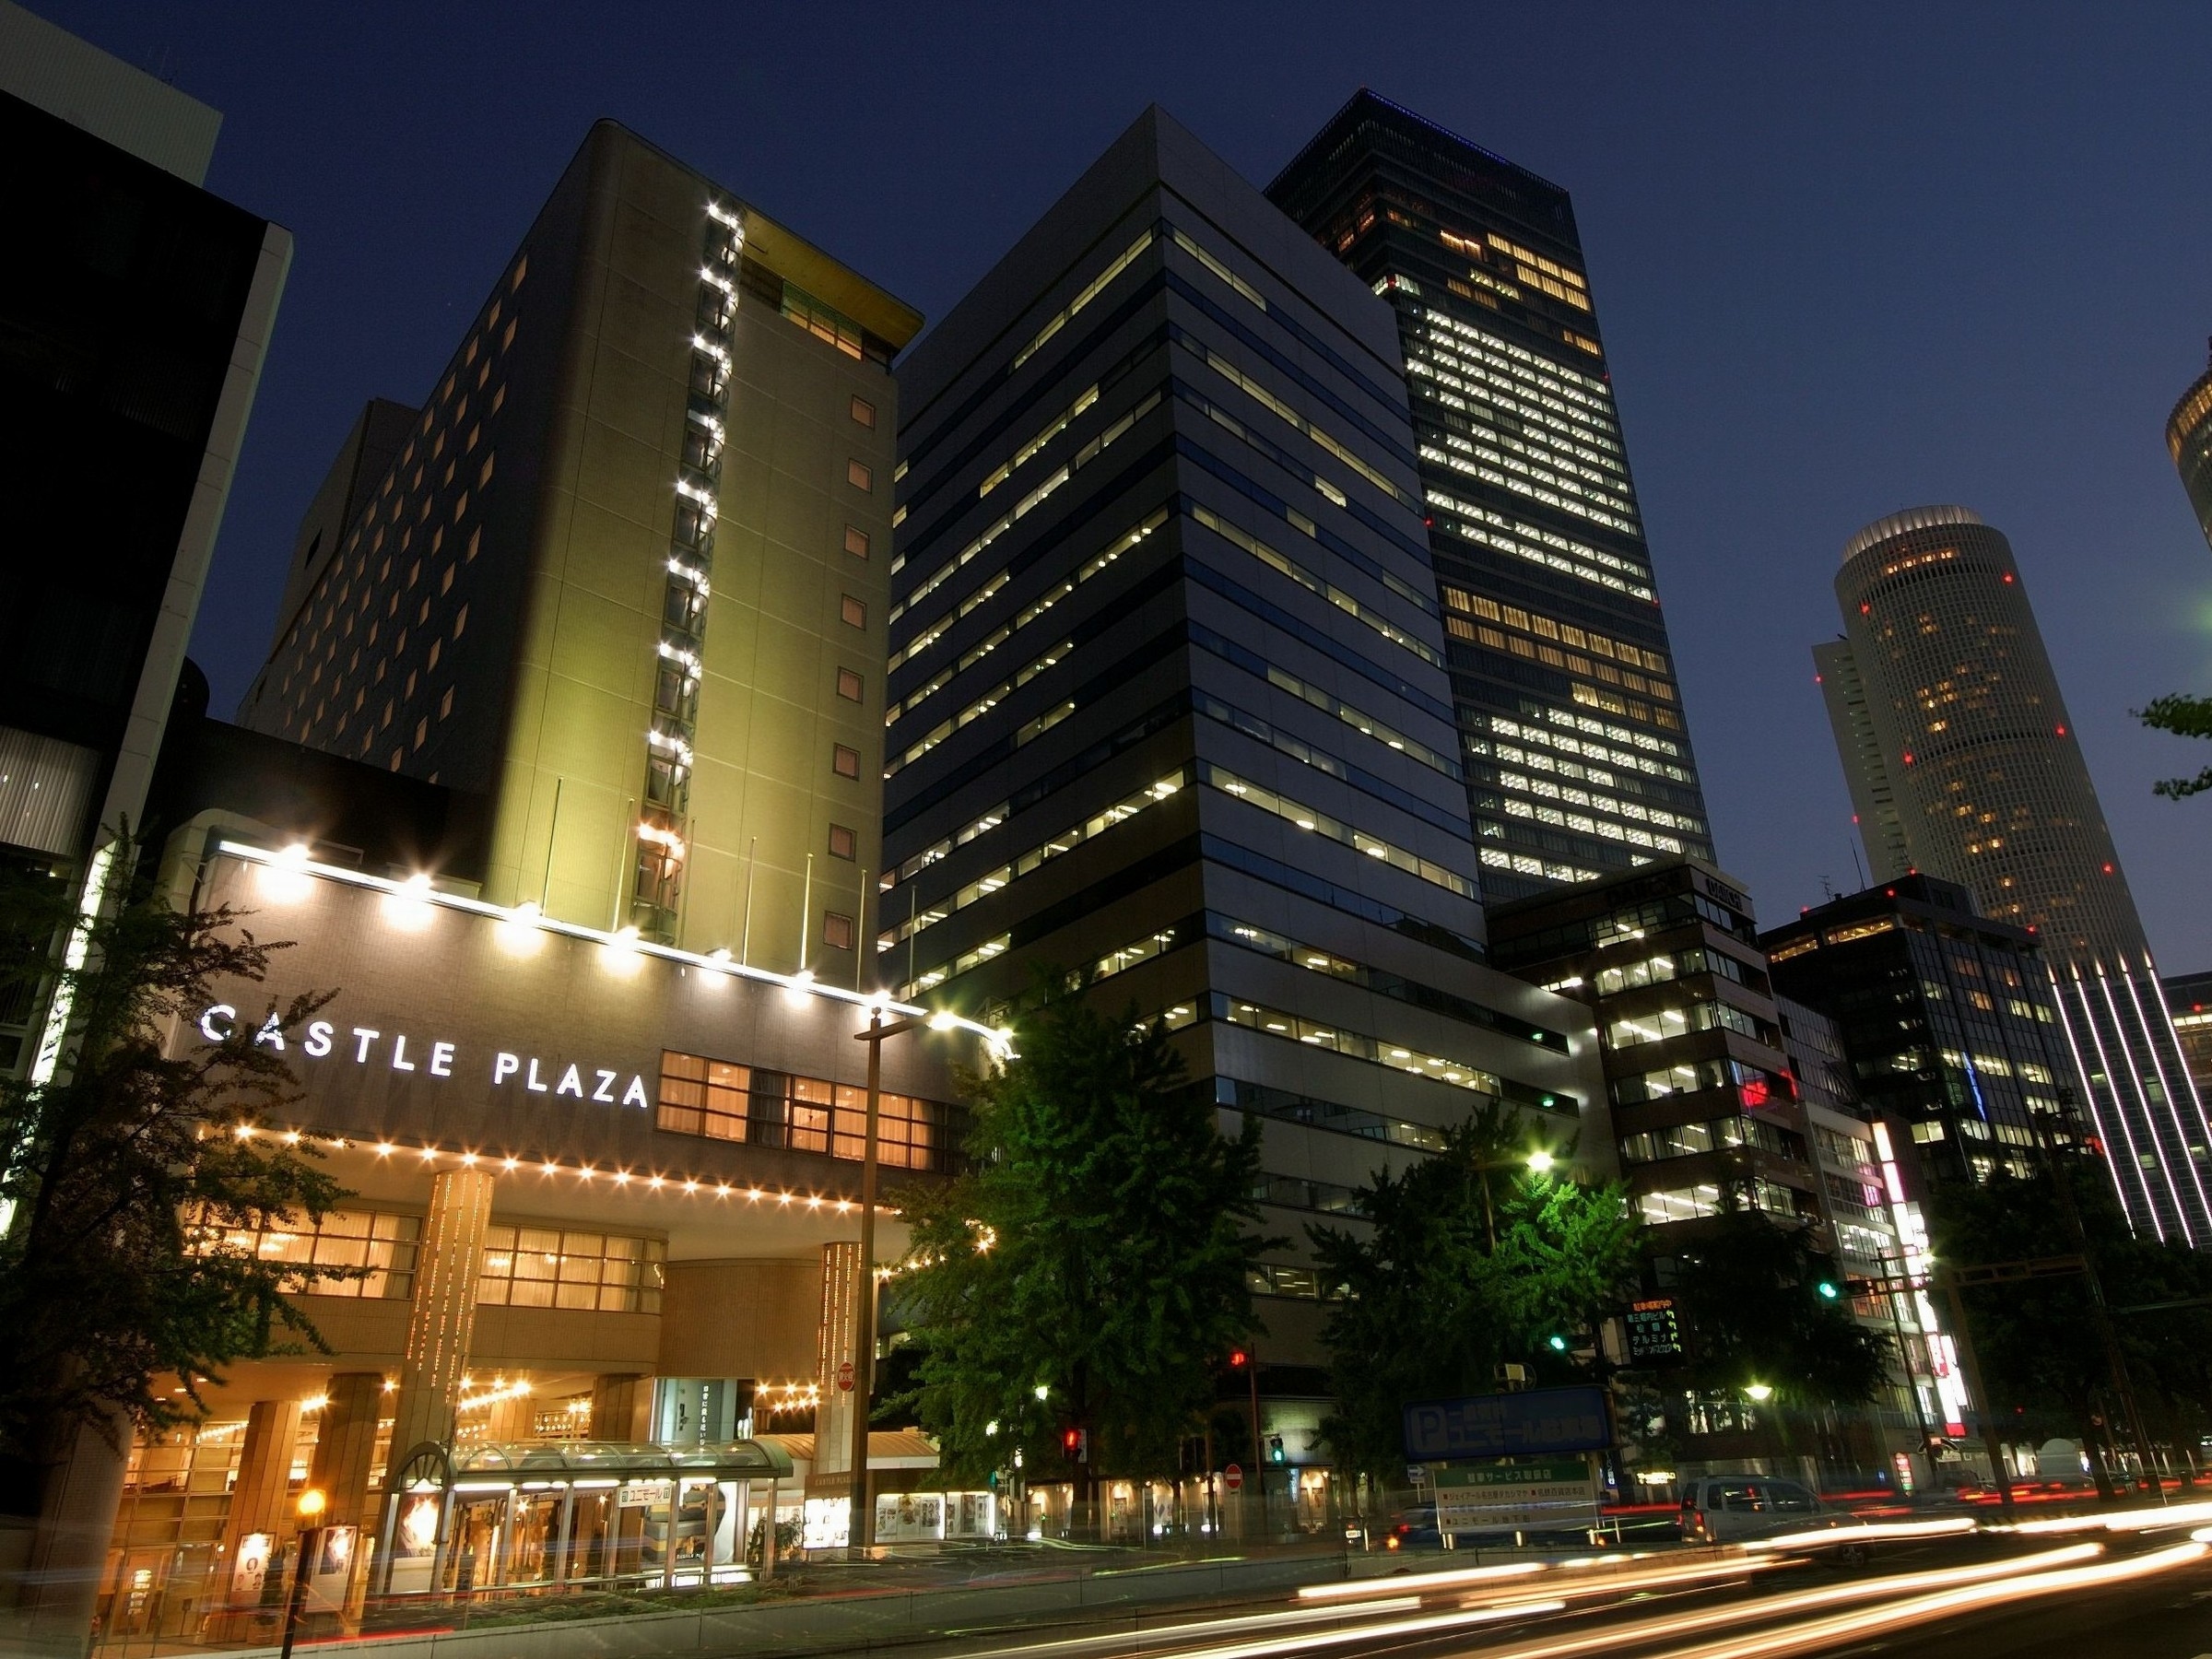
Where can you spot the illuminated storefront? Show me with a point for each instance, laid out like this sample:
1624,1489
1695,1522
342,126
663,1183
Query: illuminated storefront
601,1195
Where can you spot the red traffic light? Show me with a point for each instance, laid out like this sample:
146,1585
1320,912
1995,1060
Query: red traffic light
1075,1444
1238,1359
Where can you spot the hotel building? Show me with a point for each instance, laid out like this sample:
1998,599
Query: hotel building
1561,676
622,585
564,775
1964,763
1168,700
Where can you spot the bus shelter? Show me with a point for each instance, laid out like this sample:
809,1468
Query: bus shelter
527,1518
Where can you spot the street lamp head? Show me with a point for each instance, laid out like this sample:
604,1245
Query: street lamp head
1043,1390
943,1019
311,1503
1540,1160
1759,1391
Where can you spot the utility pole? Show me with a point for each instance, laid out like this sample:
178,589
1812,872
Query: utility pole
2064,1187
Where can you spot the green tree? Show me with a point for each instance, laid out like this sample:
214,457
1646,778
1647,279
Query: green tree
2042,1354
1747,1294
1091,1269
124,1169
2184,716
1469,1260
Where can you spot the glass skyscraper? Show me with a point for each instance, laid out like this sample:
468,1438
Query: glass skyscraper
1563,684
1168,700
1964,763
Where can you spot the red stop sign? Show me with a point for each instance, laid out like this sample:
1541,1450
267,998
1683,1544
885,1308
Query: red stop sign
845,1377
1234,1476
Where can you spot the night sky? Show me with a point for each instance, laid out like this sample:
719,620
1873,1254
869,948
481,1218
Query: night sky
1848,260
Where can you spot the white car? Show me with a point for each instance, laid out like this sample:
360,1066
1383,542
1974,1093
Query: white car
1728,1509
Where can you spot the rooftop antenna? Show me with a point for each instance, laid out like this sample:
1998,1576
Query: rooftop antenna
1854,861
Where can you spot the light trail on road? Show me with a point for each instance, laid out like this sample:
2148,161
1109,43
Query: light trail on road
1916,1610
1889,1591
2132,1520
1865,1532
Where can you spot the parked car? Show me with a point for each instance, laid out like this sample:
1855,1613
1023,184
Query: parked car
1727,1509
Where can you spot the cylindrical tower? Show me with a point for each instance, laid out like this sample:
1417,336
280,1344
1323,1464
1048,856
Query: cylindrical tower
2189,442
1966,764
1985,768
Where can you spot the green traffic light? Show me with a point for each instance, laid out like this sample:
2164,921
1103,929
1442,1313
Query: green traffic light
1827,1290
1557,1342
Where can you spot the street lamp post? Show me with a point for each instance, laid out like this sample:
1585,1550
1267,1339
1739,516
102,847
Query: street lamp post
310,1508
860,1527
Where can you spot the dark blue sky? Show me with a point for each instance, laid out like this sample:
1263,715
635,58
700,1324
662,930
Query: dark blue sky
1848,260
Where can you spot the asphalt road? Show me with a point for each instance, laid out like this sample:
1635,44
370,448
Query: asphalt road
2080,1594
2170,1617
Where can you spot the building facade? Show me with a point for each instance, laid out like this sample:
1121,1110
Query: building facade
1964,763
624,582
601,1199
1562,679
2189,442
1167,696
138,307
1880,1235
2189,1000
1949,1022
1699,1092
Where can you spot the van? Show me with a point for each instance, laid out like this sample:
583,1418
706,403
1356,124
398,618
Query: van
1727,1509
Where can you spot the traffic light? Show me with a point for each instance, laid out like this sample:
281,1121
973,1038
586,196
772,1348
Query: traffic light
1556,1342
1274,1449
1830,1290
1075,1444
1238,1359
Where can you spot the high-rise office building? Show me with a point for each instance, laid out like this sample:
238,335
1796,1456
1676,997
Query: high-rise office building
136,308
623,582
1168,702
1563,682
1701,1097
1948,1022
2189,442
1963,763
2189,999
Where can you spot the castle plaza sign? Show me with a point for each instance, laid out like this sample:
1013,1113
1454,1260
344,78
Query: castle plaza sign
366,1046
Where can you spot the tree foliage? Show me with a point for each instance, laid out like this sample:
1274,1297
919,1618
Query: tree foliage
1096,1249
1748,1298
2041,1351
1468,1261
2185,716
125,1168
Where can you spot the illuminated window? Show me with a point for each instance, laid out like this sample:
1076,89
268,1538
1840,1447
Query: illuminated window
848,685
856,541
722,1100
844,843
422,731
853,611
860,474
836,930
845,762
864,412
550,1267
445,703
382,1246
